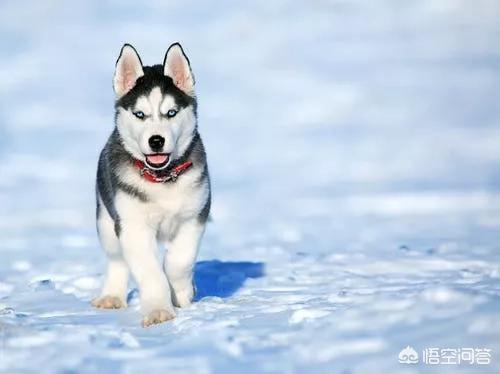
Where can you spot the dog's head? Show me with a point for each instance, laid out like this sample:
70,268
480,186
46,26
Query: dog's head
155,106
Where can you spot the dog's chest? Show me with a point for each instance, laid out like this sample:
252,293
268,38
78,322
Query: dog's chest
171,199
169,204
167,208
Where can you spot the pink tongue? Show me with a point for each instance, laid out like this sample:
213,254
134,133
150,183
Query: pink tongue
157,159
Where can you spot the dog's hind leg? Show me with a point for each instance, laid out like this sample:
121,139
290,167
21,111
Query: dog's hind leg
114,290
180,260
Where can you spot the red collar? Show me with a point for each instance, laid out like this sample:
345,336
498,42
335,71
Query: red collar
159,177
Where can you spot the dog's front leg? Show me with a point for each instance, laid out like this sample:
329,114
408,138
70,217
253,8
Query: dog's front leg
114,290
180,259
138,241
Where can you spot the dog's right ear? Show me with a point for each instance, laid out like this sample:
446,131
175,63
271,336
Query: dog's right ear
128,70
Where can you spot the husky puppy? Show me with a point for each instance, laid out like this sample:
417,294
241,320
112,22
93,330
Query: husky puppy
152,186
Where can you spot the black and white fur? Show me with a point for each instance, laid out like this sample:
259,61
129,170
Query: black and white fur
133,214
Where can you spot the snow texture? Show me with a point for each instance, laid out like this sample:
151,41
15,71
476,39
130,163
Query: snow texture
354,152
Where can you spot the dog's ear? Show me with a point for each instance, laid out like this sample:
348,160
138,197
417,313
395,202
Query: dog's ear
176,66
128,70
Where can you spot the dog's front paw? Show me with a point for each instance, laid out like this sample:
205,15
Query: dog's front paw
157,316
108,302
183,298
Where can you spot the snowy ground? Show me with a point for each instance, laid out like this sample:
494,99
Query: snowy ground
354,148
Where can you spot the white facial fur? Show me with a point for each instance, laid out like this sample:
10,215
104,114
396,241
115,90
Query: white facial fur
135,132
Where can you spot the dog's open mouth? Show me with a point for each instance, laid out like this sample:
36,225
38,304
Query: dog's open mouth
157,160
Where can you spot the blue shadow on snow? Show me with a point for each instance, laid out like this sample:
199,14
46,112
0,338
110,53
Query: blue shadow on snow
223,279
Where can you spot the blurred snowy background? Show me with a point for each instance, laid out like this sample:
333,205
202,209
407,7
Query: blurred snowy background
354,148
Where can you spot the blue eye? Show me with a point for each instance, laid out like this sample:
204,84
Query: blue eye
139,114
171,113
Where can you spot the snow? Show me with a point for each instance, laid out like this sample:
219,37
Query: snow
353,148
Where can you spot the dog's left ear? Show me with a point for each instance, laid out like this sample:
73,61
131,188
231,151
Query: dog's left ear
176,66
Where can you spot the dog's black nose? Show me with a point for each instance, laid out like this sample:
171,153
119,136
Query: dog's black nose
156,143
